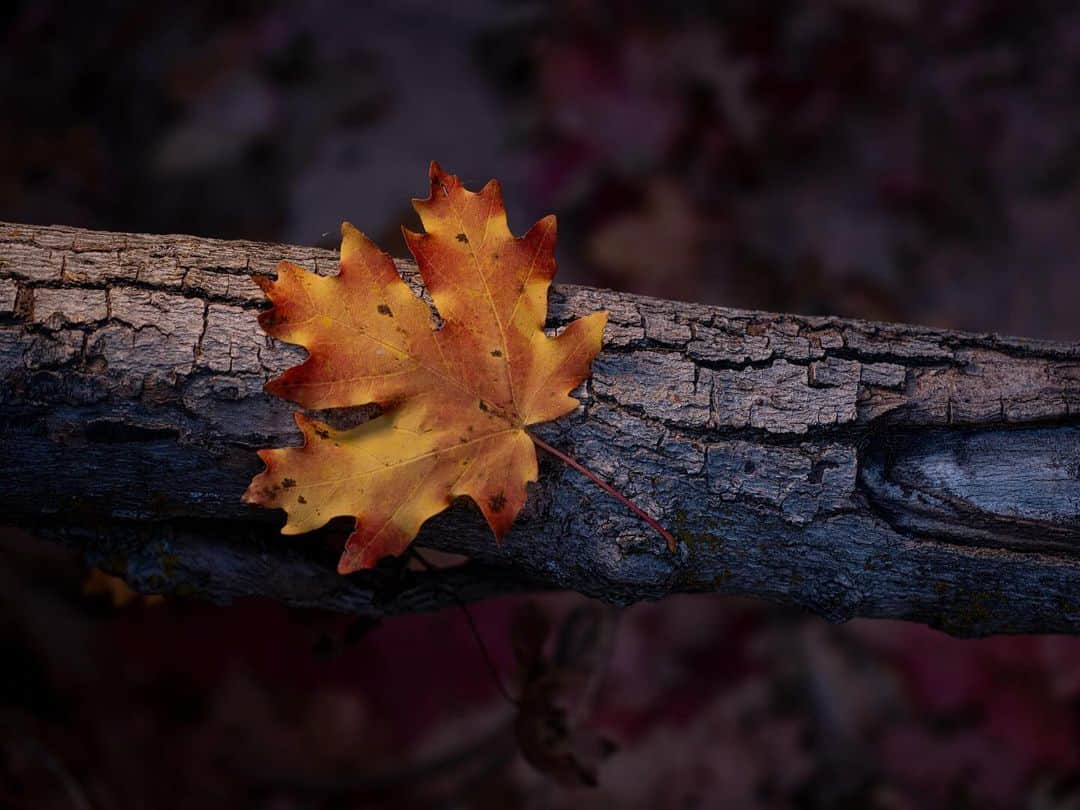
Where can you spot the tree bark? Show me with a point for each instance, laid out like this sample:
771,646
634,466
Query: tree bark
846,467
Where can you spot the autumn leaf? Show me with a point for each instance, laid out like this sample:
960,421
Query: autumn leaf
558,692
456,398
100,584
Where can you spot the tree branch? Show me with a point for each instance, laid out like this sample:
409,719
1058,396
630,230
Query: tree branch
851,468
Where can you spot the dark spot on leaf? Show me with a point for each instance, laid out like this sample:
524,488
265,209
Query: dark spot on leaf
385,310
301,499
322,433
462,238
288,483
483,406
496,353
497,502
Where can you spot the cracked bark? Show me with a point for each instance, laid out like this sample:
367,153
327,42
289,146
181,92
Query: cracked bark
850,468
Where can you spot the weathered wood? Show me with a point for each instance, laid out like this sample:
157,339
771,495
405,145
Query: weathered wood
851,468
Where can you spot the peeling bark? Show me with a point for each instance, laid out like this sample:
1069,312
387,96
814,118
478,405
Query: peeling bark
850,468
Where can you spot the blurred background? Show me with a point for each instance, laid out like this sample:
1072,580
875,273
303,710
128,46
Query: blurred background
883,159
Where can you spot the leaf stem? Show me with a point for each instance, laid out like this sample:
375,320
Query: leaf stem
629,504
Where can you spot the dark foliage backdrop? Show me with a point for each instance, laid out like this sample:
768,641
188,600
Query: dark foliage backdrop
888,159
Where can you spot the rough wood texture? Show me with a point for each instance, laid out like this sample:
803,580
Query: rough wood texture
851,468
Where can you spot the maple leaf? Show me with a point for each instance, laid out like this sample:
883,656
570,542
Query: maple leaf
116,589
558,691
456,400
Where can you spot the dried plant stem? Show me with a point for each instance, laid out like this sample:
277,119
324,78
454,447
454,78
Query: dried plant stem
629,504
489,662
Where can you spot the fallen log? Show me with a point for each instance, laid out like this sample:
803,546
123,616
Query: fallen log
845,467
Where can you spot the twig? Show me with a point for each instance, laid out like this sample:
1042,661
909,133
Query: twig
74,790
488,661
